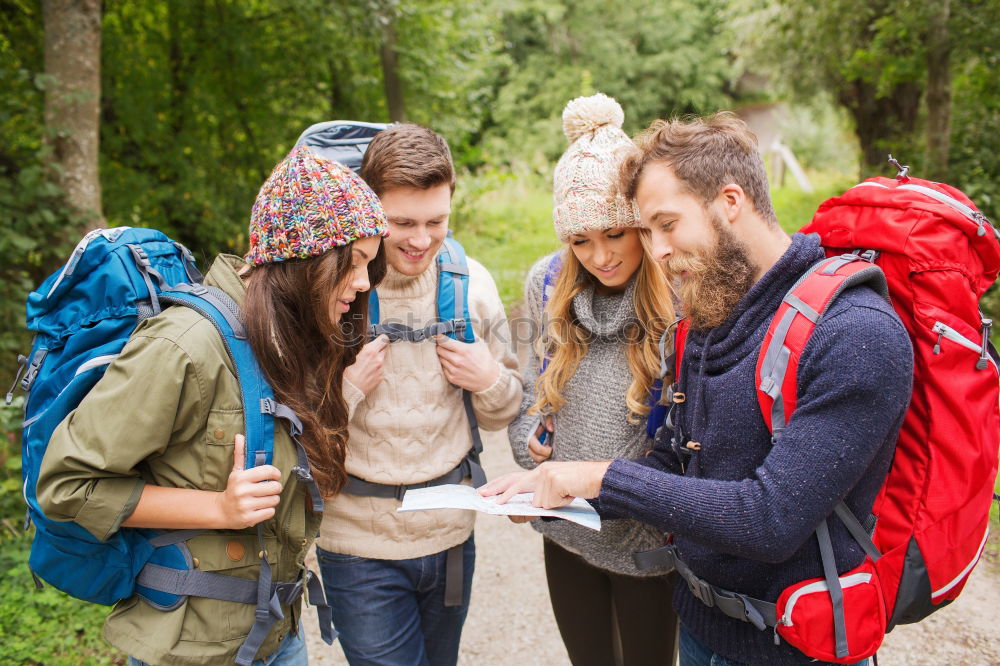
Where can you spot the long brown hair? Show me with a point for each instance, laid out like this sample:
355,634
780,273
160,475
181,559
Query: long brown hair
565,342
303,352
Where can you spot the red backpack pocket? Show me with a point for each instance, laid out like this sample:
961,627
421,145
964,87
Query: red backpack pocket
806,616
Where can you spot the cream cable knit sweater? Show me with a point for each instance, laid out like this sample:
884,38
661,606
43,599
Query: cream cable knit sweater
412,427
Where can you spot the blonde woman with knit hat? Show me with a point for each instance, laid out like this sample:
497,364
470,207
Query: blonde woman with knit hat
586,393
159,441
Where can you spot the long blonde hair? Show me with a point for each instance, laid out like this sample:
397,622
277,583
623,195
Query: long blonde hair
564,342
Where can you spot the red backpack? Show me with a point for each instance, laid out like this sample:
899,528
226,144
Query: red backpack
938,255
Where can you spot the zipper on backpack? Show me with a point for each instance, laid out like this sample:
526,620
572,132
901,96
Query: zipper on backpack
984,354
948,333
982,223
851,580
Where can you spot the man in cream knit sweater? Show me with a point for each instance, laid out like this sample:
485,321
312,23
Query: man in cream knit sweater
399,583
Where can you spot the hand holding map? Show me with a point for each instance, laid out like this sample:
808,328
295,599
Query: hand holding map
453,496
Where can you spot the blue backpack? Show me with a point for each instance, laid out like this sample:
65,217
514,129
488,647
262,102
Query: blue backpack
82,317
657,412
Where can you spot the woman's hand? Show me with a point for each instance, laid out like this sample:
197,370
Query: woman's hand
251,495
539,451
368,369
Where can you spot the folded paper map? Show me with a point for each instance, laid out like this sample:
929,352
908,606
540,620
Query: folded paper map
466,497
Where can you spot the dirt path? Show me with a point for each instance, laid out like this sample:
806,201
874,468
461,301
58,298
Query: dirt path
510,620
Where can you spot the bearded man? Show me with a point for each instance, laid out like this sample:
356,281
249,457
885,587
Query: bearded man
743,507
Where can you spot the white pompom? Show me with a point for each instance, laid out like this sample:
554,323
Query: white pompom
585,115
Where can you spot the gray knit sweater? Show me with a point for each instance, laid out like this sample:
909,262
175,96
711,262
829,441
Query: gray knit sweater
593,423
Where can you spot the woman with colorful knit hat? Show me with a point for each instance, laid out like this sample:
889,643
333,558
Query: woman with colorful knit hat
158,442
602,305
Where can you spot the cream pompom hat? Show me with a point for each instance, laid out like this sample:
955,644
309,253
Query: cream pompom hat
583,177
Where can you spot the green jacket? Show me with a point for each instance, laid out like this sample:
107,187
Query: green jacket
166,413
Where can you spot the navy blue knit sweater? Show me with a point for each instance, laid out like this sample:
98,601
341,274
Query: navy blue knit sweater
744,512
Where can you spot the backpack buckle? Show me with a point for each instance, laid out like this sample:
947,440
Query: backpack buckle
32,373
139,255
702,591
902,172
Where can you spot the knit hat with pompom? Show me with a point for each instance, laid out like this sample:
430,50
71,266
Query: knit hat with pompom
582,181
310,205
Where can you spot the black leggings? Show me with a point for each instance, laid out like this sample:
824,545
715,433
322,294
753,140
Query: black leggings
610,619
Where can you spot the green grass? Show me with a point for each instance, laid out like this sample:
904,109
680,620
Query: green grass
795,208
45,626
505,222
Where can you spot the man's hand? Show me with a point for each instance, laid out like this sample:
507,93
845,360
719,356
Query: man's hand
538,451
250,495
470,366
368,369
555,484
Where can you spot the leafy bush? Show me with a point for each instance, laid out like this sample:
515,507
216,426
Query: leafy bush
45,626
11,504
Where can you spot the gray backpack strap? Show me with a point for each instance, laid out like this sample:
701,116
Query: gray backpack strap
472,458
835,590
760,614
403,333
194,583
454,576
268,608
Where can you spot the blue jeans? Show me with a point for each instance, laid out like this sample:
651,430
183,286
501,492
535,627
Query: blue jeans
695,653
392,612
291,652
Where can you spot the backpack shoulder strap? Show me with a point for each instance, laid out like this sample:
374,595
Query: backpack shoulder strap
680,337
453,290
260,408
670,365
374,318
800,311
548,285
551,275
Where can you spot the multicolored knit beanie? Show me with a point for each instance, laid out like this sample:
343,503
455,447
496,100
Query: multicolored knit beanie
310,205
584,174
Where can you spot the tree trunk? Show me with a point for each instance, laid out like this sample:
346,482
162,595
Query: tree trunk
390,68
938,92
72,100
881,122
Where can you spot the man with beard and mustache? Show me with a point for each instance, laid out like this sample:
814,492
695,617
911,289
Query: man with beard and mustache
743,506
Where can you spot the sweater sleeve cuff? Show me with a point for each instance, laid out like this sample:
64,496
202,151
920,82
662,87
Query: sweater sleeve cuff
496,389
622,488
109,504
352,396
